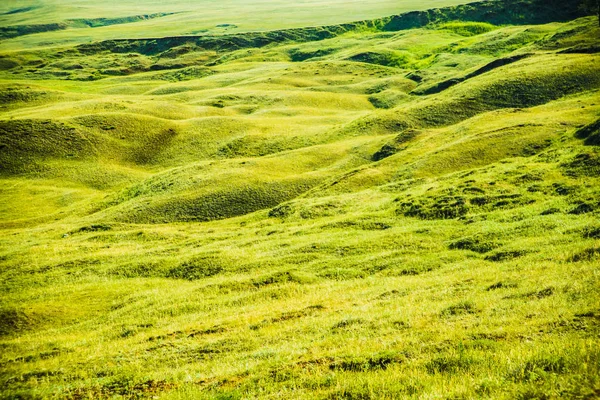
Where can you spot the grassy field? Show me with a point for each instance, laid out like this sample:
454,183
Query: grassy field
361,211
76,21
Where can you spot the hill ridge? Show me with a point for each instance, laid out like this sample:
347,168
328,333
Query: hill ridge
493,11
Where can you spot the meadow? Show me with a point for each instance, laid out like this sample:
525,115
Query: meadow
59,22
406,206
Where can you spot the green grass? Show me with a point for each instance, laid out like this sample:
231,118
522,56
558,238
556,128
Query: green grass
211,17
467,28
374,214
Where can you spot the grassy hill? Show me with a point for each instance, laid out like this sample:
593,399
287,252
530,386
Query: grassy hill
401,207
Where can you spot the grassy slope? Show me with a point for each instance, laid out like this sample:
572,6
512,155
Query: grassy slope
332,232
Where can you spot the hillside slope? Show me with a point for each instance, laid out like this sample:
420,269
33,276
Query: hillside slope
405,207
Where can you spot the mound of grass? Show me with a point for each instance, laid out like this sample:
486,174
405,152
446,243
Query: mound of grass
391,148
478,244
196,268
539,367
590,133
588,254
24,143
387,59
14,321
467,28
388,99
465,307
217,205
303,55
443,207
505,255
586,163
363,364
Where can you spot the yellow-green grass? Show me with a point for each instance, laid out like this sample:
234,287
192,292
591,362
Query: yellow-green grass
190,18
269,228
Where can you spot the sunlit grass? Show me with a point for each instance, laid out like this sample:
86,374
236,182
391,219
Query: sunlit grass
301,220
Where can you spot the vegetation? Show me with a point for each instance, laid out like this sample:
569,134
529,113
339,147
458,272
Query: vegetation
401,207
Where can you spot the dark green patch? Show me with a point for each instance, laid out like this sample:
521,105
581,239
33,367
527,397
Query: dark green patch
13,320
384,58
539,367
588,254
279,278
287,316
347,323
441,86
94,228
19,10
376,362
443,207
196,268
505,255
393,147
583,208
25,143
583,164
123,386
563,189
478,244
8,32
502,285
281,211
591,232
550,211
466,28
540,294
462,308
448,364
297,55
391,294
99,22
364,225
590,133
